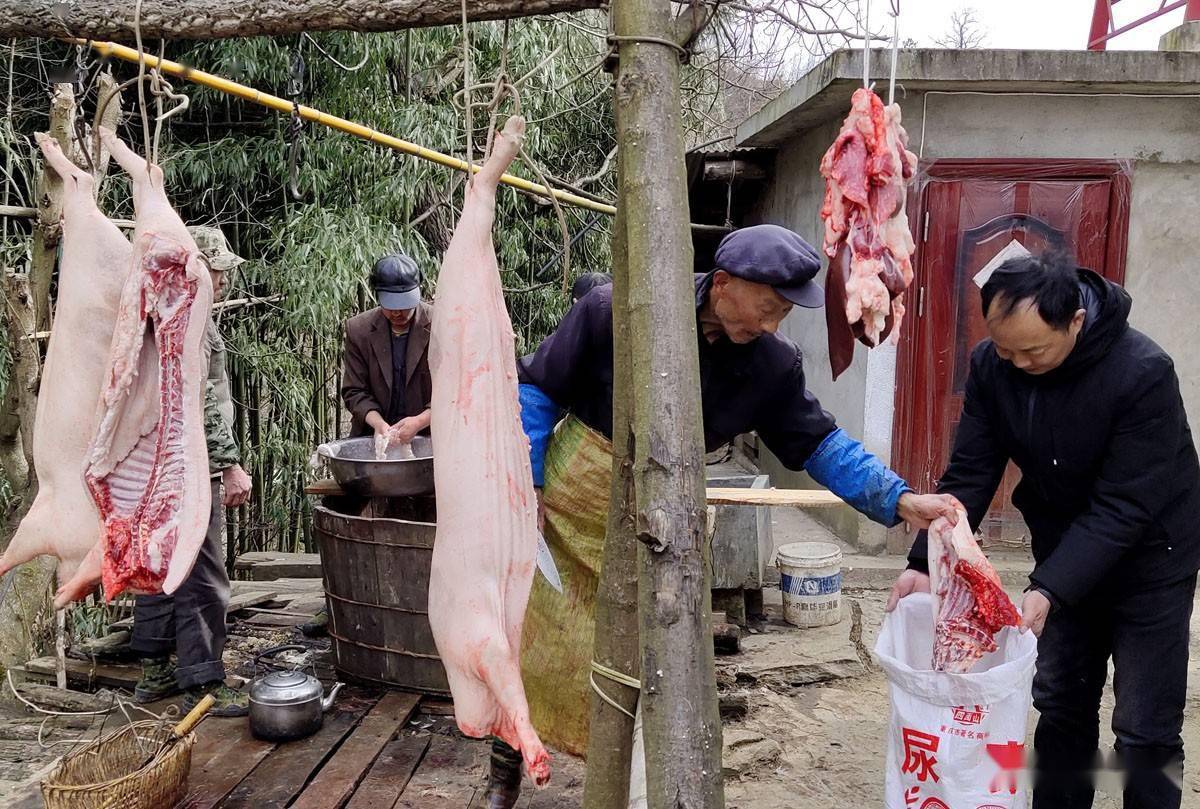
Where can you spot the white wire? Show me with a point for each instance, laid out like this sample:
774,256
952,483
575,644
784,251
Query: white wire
867,45
925,100
895,47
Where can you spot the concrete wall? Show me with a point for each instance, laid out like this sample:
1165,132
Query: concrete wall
1159,134
1163,272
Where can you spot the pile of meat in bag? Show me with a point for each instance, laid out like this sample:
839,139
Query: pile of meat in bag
867,171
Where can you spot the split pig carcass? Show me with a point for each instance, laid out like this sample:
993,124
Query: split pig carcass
969,602
146,467
93,267
487,531
867,171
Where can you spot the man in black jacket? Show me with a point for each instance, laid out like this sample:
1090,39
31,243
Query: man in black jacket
1089,409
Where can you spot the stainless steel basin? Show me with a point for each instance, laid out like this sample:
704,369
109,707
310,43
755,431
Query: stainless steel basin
352,462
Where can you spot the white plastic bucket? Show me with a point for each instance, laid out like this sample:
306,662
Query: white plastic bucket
811,581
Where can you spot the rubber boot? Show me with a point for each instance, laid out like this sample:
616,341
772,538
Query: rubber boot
504,778
158,680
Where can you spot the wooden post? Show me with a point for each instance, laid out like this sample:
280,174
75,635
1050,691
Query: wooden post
679,700
610,740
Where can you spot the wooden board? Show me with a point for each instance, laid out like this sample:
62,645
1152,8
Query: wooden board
283,775
285,589
84,673
805,498
338,778
813,498
322,488
391,773
229,753
240,599
449,777
286,621
272,565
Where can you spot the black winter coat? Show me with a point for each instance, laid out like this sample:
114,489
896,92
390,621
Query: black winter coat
1110,484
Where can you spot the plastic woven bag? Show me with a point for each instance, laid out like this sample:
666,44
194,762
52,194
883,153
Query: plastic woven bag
955,741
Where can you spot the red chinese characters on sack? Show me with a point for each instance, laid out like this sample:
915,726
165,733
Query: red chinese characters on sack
1010,758
918,758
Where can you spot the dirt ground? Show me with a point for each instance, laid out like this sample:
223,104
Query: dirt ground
823,745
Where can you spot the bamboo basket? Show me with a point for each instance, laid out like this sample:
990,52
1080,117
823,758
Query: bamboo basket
143,765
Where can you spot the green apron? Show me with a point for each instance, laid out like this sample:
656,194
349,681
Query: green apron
556,646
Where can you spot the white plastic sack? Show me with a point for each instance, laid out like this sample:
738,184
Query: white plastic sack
955,741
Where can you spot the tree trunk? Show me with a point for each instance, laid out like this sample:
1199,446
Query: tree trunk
610,740
48,231
220,19
679,697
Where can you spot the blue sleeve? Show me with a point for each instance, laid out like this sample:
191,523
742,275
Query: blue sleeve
538,416
843,466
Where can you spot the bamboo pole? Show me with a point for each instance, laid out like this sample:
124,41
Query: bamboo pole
111,49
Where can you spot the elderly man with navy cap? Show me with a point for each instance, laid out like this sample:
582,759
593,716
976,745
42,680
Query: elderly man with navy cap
386,384
751,379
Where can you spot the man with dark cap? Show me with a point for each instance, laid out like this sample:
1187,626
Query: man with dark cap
751,379
386,384
587,282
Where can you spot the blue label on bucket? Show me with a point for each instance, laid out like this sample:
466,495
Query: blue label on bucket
810,585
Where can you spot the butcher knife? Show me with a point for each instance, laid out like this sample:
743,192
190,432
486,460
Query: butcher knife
545,563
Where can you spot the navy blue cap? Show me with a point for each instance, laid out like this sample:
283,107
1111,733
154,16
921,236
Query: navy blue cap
775,256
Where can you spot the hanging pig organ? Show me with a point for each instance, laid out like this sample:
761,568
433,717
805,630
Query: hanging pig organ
867,171
483,555
969,603
119,442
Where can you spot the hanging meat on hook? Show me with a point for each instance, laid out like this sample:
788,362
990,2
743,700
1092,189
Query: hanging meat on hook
487,532
867,171
147,465
969,602
93,266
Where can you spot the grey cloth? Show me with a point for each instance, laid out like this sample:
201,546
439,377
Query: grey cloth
396,407
191,622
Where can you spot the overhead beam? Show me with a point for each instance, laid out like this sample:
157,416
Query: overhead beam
225,19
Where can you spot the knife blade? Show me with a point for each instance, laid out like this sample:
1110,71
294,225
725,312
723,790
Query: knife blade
545,563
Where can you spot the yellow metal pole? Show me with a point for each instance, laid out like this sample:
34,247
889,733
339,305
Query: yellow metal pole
334,122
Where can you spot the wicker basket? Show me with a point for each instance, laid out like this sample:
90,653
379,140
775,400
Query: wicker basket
112,772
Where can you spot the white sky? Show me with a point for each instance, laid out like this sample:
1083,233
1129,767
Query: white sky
1029,24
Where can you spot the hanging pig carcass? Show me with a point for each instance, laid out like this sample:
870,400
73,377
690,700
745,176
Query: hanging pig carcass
93,267
484,552
146,467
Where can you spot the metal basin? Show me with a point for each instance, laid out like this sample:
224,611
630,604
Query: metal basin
352,462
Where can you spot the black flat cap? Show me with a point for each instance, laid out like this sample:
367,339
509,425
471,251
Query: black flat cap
775,256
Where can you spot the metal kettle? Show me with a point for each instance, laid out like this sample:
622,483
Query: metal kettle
287,705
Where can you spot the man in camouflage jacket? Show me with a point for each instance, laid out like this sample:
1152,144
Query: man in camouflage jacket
191,623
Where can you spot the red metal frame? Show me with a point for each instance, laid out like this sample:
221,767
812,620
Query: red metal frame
1102,30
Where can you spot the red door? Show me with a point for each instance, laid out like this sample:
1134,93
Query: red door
967,212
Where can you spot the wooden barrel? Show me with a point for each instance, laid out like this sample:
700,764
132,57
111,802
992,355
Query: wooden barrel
375,559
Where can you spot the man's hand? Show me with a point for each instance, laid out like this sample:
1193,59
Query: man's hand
237,486
919,510
404,431
1034,610
541,510
377,423
910,581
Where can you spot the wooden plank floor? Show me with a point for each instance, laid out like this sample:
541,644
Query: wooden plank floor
375,750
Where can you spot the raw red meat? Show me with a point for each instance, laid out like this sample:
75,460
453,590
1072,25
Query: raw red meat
95,261
484,552
147,465
867,171
969,603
